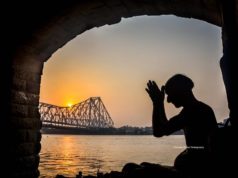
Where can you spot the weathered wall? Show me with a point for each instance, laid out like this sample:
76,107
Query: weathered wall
33,31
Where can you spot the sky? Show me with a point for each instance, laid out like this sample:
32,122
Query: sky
115,62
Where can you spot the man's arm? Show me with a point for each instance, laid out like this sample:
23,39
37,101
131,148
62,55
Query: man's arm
159,119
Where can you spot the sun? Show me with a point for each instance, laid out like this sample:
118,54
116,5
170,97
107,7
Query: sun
69,105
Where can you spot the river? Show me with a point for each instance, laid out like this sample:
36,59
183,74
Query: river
69,154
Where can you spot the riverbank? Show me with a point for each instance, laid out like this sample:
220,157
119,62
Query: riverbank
125,130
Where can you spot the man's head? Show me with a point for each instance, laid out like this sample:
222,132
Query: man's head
178,88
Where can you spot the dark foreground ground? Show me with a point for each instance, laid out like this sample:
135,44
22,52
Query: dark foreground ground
165,172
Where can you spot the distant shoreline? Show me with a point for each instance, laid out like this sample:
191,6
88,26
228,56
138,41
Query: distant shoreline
100,131
84,131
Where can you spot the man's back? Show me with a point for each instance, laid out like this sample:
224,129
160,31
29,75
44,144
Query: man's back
198,123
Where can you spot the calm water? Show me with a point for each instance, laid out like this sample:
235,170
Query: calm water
69,154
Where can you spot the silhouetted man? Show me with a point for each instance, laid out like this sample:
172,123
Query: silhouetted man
196,119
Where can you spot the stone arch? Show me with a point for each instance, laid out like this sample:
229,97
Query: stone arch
36,41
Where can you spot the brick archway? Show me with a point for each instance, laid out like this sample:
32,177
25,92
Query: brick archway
34,42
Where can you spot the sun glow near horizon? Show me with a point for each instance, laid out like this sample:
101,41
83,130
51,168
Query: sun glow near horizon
69,104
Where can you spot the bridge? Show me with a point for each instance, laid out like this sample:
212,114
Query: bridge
90,113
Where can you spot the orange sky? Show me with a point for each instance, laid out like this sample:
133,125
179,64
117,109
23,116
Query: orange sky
115,62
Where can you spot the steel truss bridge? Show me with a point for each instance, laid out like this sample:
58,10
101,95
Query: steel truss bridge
90,113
